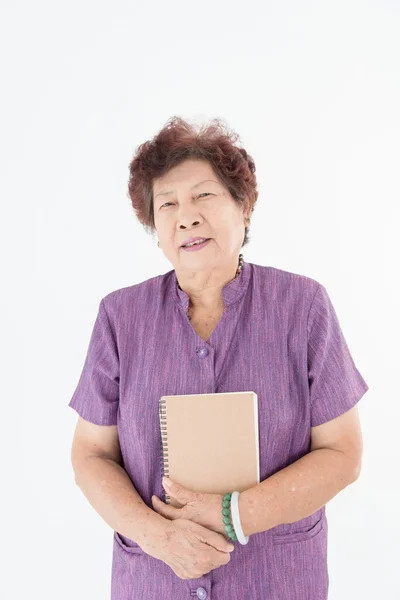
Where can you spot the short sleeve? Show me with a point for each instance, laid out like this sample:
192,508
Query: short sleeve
335,384
96,396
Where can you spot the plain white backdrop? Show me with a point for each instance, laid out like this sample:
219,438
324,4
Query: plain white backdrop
313,88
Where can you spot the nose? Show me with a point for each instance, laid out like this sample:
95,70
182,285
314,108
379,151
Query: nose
193,224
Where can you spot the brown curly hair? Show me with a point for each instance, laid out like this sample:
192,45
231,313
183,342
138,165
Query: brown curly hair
179,140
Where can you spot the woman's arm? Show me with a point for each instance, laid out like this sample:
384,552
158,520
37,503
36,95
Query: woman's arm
303,487
96,460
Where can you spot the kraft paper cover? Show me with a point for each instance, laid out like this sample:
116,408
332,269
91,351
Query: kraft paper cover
210,441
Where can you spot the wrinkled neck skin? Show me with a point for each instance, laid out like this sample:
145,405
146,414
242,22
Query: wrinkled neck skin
205,289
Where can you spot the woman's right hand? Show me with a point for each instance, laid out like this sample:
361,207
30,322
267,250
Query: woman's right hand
190,549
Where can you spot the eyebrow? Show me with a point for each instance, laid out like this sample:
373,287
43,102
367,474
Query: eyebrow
195,186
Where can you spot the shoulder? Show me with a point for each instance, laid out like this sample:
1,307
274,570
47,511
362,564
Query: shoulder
282,283
285,295
133,298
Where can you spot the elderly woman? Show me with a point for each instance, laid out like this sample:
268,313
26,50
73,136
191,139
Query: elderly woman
215,323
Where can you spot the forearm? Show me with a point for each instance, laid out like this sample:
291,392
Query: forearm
296,491
110,491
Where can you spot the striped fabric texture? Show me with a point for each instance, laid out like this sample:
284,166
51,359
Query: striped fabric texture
280,337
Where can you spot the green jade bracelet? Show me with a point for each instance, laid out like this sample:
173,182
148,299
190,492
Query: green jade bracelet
226,517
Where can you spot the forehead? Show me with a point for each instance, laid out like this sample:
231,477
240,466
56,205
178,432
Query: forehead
189,171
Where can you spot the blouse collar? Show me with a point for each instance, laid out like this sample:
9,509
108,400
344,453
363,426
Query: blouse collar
231,292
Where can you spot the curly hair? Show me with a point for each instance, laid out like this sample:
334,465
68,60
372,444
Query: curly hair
179,140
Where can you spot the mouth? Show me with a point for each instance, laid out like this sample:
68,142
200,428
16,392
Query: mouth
196,246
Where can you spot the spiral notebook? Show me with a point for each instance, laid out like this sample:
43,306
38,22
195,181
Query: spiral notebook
210,442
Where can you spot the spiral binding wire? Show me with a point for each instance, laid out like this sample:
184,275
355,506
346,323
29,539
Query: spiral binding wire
164,445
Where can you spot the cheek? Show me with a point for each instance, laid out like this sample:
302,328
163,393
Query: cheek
164,227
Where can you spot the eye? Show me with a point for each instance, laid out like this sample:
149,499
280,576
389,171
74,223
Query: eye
202,194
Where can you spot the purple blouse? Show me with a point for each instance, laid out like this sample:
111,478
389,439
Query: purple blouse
280,337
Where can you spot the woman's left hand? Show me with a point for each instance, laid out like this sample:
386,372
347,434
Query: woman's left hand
204,509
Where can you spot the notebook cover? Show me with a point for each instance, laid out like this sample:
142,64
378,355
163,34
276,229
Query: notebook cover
210,442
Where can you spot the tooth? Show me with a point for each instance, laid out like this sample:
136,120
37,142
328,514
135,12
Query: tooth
196,242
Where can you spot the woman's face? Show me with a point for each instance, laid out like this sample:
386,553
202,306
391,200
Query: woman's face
190,201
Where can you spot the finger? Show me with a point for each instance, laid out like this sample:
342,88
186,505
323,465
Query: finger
171,512
217,540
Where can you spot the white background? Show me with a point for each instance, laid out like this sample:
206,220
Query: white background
313,88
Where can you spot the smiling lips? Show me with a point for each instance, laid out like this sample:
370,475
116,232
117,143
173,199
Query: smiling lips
194,241
194,246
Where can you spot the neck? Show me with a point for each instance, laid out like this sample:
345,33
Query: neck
204,287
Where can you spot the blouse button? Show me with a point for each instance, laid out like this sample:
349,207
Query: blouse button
202,353
201,593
